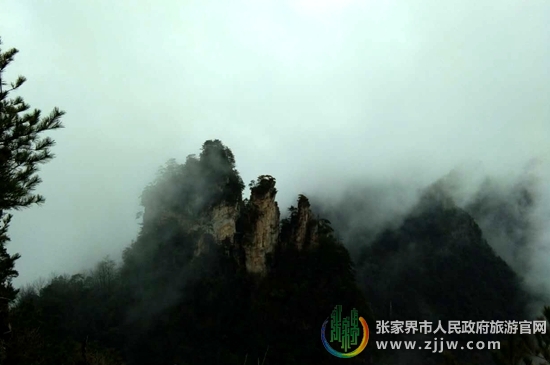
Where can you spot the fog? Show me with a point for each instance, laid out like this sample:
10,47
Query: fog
323,95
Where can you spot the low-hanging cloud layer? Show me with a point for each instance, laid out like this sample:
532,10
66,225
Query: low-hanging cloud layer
512,210
323,95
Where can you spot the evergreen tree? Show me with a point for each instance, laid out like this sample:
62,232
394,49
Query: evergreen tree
21,151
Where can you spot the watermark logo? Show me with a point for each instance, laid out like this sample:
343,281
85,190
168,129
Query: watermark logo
346,332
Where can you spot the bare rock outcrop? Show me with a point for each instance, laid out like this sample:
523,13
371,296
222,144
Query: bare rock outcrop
302,229
250,229
223,222
263,225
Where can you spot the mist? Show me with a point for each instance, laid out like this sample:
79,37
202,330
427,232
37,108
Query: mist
328,97
511,209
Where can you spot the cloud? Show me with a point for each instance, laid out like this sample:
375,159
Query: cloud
386,91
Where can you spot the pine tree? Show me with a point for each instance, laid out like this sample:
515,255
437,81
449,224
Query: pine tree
21,151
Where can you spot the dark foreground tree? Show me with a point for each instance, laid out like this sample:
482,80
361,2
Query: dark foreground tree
22,149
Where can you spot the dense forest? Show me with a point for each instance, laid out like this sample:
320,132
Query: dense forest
180,296
168,304
215,278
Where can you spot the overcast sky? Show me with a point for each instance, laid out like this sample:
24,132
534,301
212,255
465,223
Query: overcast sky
316,93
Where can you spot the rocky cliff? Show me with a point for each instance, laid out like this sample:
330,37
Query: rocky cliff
259,225
250,229
211,270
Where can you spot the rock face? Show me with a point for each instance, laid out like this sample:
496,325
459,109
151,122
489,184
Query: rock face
250,229
263,224
300,230
223,222
303,229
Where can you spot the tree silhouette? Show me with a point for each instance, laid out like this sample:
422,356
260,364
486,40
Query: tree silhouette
21,151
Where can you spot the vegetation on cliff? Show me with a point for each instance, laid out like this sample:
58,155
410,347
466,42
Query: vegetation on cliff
181,297
166,304
23,147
